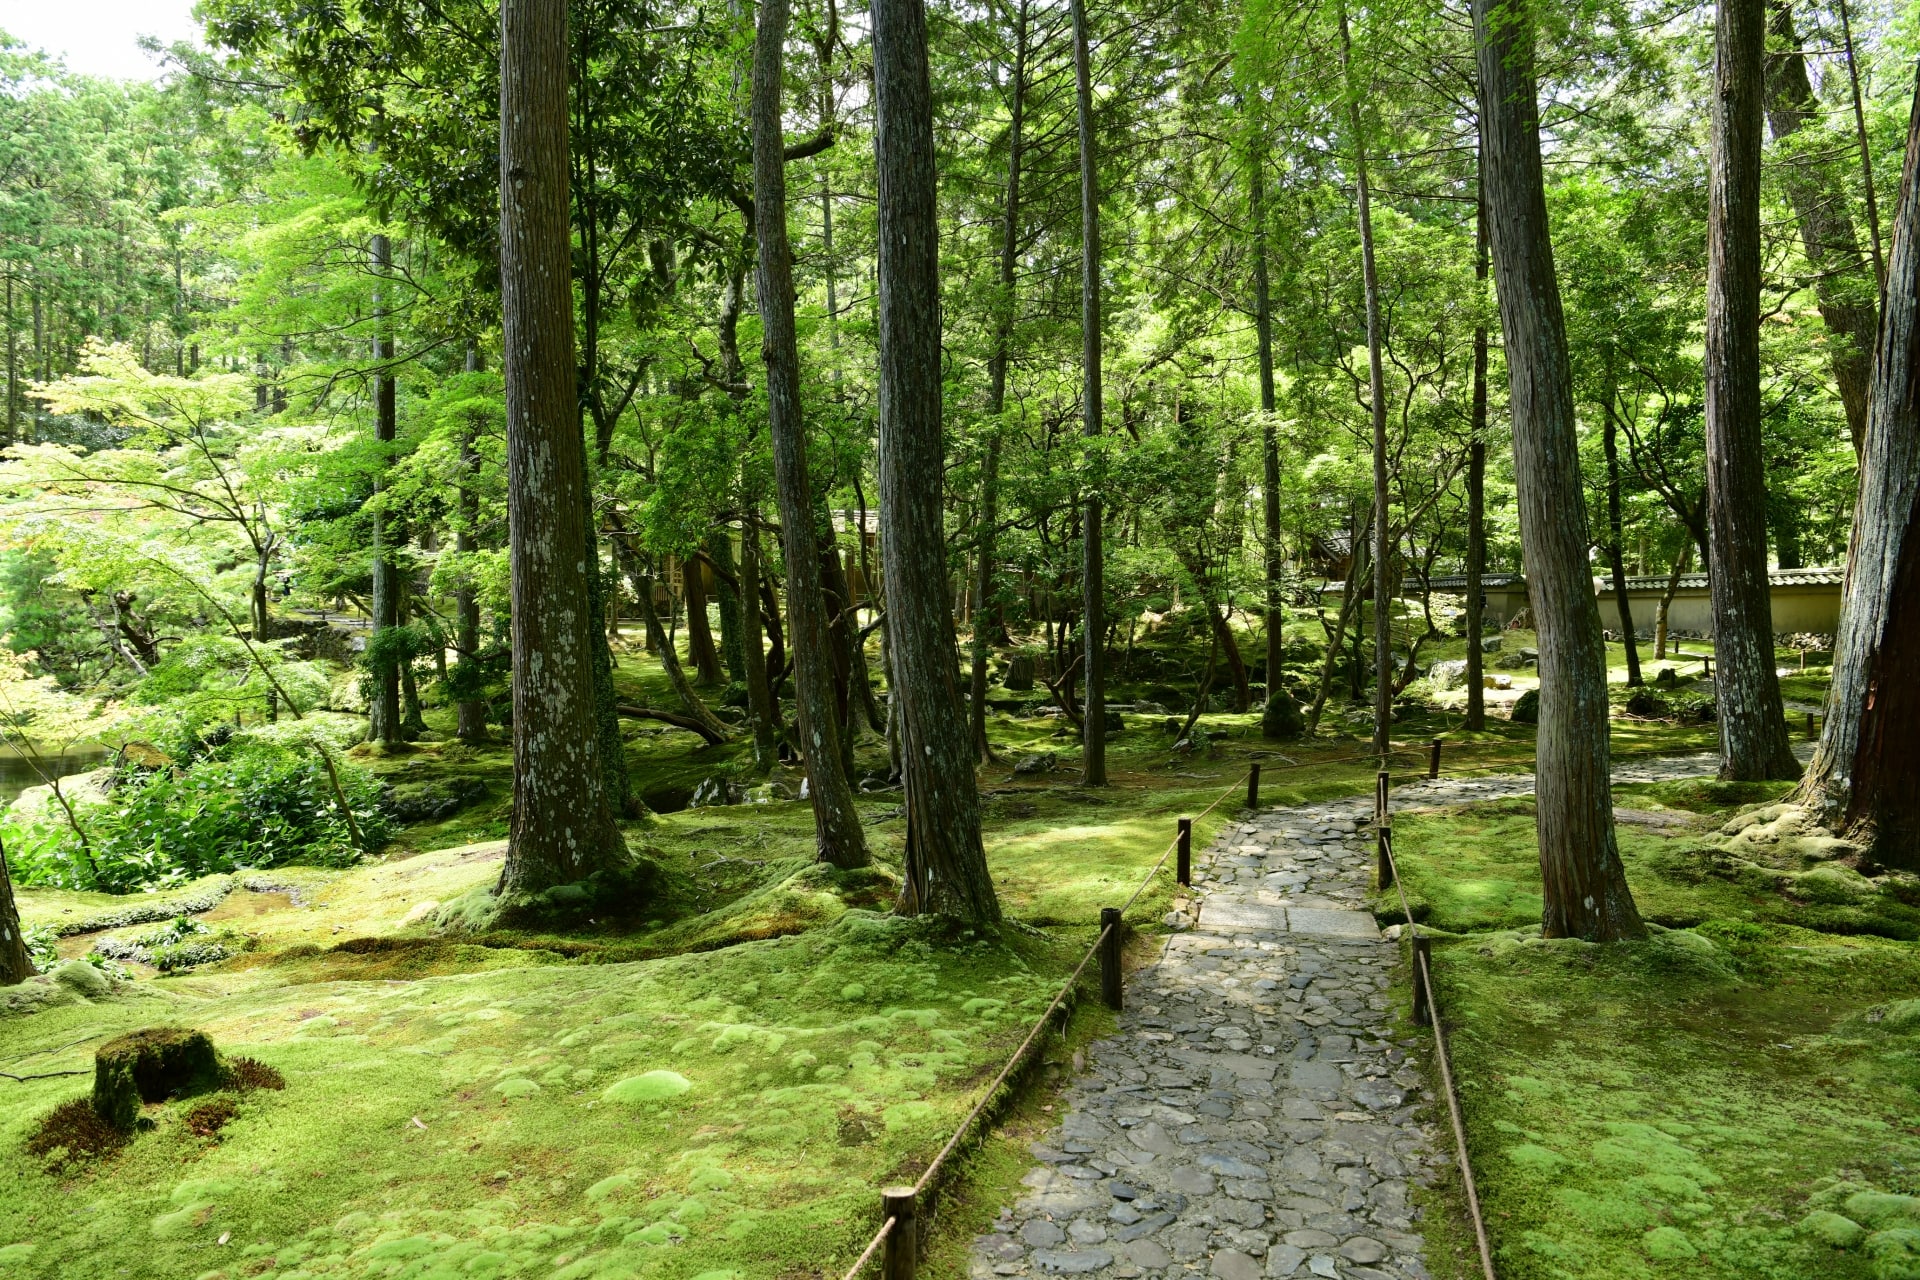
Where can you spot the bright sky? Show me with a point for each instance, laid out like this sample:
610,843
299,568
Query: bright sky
97,37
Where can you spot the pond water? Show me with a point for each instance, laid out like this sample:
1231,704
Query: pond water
17,772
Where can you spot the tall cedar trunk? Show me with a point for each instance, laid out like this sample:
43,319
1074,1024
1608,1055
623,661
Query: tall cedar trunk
1616,557
1666,602
383,708
1269,432
837,830
985,537
10,432
1377,392
763,715
1477,474
412,723
946,867
732,649
562,827
700,647
1753,726
1843,282
606,700
1867,766
1584,886
470,712
1093,577
16,965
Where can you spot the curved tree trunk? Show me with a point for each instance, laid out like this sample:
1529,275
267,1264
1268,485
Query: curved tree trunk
837,830
946,870
1843,282
562,827
1093,577
700,646
1753,726
1866,769
763,714
1584,885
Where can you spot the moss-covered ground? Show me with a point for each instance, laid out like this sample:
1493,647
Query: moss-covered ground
713,1087
1738,1096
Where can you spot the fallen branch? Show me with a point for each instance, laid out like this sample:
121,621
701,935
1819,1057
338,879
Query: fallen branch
668,717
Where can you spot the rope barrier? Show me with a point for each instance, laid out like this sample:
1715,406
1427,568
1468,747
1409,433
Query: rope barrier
879,1238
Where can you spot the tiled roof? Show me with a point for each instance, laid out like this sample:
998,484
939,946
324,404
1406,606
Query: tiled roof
1831,577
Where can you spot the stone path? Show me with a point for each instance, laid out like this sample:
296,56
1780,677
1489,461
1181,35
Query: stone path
1251,1117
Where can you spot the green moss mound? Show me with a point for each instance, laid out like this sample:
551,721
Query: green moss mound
1526,708
651,1087
1282,720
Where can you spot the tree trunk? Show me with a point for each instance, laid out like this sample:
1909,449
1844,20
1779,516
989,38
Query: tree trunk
1616,558
1274,557
1377,392
562,827
641,580
1093,585
732,647
12,429
1666,602
1753,726
16,966
946,866
1584,885
1477,473
1866,770
837,831
383,708
987,532
763,715
1843,283
700,646
470,711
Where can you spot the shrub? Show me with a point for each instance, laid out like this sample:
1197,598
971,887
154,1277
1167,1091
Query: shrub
256,807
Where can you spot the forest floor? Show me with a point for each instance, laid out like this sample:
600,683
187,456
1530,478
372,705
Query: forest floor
717,1088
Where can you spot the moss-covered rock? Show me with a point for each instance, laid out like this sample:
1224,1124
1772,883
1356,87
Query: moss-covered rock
1832,1228
152,1065
1895,1253
1526,708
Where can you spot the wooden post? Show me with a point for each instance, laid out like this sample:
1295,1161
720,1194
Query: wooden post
1422,966
1253,787
1383,853
1803,659
1183,861
1380,798
902,1249
1433,760
1110,956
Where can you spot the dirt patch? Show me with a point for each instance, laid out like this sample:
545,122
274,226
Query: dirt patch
207,1119
246,904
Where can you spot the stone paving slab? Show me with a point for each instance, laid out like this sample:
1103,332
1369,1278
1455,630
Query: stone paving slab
1251,1117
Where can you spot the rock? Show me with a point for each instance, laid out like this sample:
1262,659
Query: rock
1526,709
1041,1234
1666,677
1019,677
152,1065
1496,682
1529,655
1284,1260
715,791
1038,762
1150,1254
1450,674
1149,709
1077,1262
1363,1249
1490,644
1231,1264
1178,921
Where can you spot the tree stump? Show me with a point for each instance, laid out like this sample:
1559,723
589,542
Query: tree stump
152,1065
